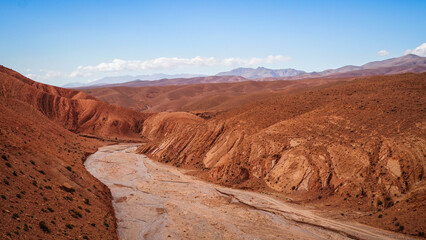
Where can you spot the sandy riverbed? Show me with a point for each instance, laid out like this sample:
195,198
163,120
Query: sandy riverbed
155,201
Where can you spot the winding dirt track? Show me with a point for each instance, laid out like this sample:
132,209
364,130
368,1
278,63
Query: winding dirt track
155,201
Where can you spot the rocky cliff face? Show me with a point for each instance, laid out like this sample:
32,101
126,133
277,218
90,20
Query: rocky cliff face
362,142
76,111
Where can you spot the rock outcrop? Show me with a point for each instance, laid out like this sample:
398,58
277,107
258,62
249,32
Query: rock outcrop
362,142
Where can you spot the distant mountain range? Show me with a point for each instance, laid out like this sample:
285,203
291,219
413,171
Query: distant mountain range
128,78
261,72
407,63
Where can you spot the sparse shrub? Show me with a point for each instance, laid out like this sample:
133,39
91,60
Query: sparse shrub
93,224
401,228
15,216
86,201
5,181
50,209
70,190
380,216
69,198
26,227
74,213
3,196
85,237
69,226
379,203
4,157
18,196
42,172
8,165
32,162
43,226
14,173
68,168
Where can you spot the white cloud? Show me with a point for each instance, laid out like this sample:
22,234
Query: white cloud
47,74
162,63
382,53
119,65
420,50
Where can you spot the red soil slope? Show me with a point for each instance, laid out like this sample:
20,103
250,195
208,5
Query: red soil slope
198,97
76,111
355,146
45,191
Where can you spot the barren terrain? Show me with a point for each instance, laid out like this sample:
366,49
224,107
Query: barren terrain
353,148
358,146
155,201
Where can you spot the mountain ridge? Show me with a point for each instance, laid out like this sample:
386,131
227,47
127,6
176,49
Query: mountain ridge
406,63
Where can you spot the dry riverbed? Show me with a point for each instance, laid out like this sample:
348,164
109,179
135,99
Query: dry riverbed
155,201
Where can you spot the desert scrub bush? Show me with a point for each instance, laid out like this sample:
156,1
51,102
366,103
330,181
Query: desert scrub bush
43,226
26,227
68,168
86,201
69,198
69,226
3,196
4,157
74,213
5,181
70,190
32,162
8,165
15,216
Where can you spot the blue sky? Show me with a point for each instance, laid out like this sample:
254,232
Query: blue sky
57,42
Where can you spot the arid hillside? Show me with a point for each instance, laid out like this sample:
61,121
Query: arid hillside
199,97
45,191
76,111
356,146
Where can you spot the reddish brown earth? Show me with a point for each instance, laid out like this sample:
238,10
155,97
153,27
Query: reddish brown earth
43,180
46,193
76,111
354,148
199,97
